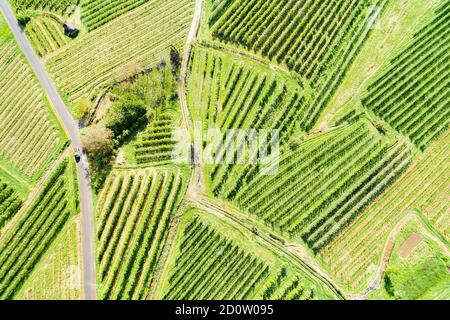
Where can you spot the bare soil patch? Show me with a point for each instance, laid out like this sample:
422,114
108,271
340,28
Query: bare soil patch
409,245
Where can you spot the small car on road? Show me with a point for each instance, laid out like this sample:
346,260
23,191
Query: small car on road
77,155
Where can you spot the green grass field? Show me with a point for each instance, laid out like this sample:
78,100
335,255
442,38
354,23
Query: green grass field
419,273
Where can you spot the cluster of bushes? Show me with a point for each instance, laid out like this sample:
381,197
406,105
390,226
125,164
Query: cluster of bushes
135,104
10,202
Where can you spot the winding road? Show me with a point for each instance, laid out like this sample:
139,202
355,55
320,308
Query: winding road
187,121
72,130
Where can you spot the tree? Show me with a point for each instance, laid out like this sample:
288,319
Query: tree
98,142
128,113
175,60
23,18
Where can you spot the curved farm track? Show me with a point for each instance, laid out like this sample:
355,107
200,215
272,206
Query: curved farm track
195,193
388,250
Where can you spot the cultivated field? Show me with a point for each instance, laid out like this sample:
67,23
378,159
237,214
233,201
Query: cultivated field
323,185
412,92
134,41
310,37
135,210
214,260
156,144
46,35
10,202
30,135
422,190
96,13
232,93
58,6
58,275
27,239
353,204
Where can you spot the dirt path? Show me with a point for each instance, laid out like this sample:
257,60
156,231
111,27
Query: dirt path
388,249
187,121
292,252
195,185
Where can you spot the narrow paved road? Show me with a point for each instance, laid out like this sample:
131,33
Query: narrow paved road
71,127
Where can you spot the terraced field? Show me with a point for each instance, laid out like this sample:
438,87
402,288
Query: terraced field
135,210
57,6
46,35
134,41
323,185
423,189
317,39
412,92
58,276
10,202
230,93
30,236
30,136
95,13
212,262
156,144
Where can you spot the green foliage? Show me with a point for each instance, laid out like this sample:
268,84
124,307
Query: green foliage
10,202
82,109
134,213
411,92
126,115
24,244
388,286
23,18
157,89
413,279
